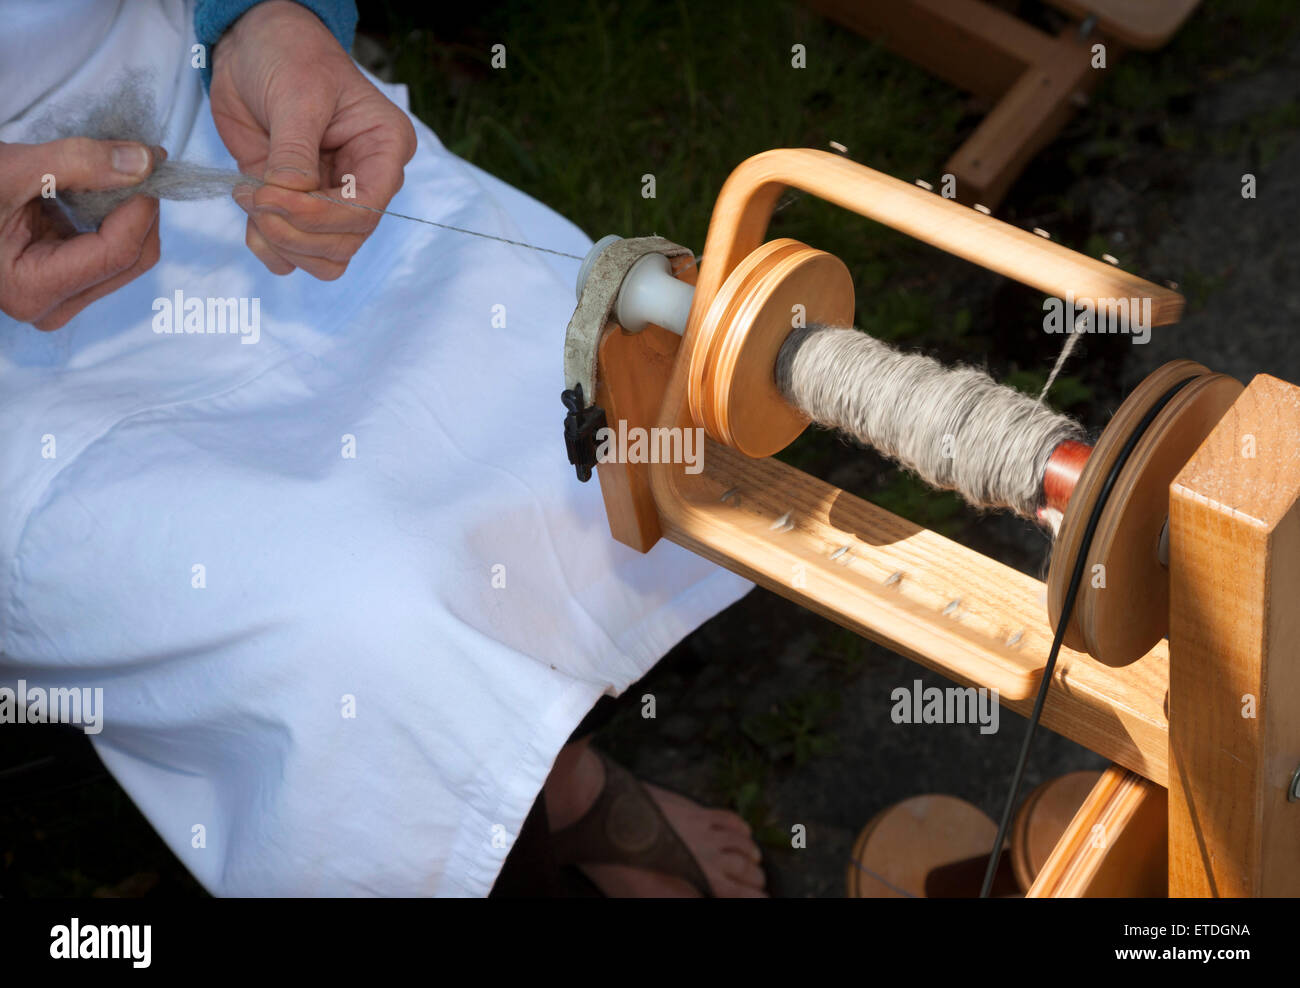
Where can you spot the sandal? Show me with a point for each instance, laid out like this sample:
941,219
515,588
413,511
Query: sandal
625,826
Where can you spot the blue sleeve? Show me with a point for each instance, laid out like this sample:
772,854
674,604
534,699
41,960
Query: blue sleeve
213,17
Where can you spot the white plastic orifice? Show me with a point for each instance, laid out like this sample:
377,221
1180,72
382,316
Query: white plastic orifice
650,293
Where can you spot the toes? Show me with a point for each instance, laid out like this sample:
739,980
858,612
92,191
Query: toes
726,820
745,848
721,841
727,888
739,841
742,869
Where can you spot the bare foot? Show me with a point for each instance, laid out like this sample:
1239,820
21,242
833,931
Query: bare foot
719,840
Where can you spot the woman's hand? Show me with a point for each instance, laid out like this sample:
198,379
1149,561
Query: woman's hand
293,109
49,272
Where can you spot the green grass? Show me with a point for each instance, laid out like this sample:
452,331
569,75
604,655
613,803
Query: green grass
741,778
795,729
592,100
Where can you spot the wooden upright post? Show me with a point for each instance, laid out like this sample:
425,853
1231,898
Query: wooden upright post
1234,653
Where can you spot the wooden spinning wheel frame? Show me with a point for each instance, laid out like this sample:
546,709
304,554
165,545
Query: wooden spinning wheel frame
1221,462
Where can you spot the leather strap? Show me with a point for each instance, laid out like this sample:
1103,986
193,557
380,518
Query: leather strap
582,339
625,826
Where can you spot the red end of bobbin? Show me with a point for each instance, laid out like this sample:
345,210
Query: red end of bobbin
1062,473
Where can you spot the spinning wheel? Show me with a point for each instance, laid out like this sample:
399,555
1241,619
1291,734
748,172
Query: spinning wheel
1182,519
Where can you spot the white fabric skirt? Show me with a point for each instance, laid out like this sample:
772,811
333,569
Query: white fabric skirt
341,590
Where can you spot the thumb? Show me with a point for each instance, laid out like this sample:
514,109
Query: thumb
75,164
297,126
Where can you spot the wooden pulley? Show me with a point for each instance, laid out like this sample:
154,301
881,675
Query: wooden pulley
925,847
1041,820
732,390
1122,605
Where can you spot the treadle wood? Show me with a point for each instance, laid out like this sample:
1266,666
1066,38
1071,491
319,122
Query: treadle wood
1146,25
1114,846
1035,80
1234,562
1027,118
1117,712
971,44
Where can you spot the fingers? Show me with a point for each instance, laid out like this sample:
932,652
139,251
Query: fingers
280,260
70,267
72,164
297,122
264,252
290,241
377,163
277,237
320,232
51,273
311,214
149,254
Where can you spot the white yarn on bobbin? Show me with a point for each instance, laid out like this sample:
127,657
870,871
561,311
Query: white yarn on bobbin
955,427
